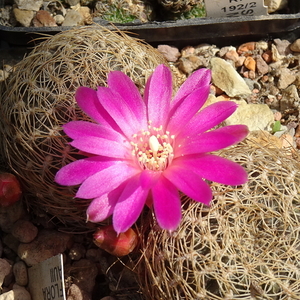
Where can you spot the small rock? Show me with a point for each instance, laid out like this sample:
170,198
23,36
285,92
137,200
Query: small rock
261,46
290,98
276,56
24,17
5,270
76,252
283,46
267,56
240,61
225,49
250,63
75,293
170,53
246,48
232,55
274,5
43,18
20,273
277,116
24,231
73,18
72,2
29,4
262,67
17,293
9,215
285,78
295,46
59,19
227,79
255,116
11,242
86,14
84,273
189,64
47,244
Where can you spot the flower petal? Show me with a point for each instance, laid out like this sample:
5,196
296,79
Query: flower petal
76,172
123,85
103,206
149,178
207,118
121,112
196,80
105,180
166,203
183,113
158,93
189,182
130,205
214,168
78,129
212,140
88,101
102,146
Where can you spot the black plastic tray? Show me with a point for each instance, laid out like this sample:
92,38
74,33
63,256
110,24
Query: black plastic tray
219,31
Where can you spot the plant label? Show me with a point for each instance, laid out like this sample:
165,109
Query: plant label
46,279
235,8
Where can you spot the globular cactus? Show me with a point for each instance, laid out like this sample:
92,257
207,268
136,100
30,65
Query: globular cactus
38,98
245,246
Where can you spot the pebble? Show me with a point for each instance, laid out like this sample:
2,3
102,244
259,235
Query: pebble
24,17
227,79
5,269
24,231
250,63
73,18
17,293
290,98
255,116
285,78
274,5
283,46
262,67
34,5
246,48
295,46
20,273
47,244
43,18
170,53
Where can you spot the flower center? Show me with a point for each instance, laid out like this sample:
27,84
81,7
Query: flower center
153,148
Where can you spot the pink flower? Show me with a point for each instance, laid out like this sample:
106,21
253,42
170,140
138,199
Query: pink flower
147,149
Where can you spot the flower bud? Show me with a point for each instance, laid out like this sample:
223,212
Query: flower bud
10,189
118,245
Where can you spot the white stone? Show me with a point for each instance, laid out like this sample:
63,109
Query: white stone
5,269
24,17
255,116
225,77
17,293
29,4
274,5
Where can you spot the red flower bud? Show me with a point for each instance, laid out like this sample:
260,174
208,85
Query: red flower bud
10,189
118,245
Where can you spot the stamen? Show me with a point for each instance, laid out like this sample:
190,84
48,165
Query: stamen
153,148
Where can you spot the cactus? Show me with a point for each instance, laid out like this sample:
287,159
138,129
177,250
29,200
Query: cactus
38,98
245,246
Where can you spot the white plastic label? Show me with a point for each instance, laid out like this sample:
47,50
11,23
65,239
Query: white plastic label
235,8
46,279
